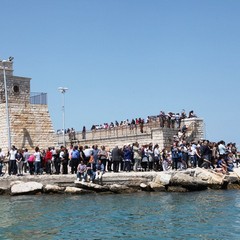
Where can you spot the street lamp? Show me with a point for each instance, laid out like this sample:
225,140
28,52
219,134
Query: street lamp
63,90
6,100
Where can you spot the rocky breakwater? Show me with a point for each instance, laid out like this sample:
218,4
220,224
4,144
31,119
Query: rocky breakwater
171,181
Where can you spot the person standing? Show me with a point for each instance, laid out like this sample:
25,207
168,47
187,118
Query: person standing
84,132
31,164
136,156
48,159
37,162
127,154
12,161
75,160
103,155
19,162
175,155
116,158
26,155
65,159
156,158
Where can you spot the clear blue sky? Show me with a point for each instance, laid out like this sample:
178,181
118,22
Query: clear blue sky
129,58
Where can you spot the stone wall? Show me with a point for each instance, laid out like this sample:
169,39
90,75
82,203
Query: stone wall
30,126
152,133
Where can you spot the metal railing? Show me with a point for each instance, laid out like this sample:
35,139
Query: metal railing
38,98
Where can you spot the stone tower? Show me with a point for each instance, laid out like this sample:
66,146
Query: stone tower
30,124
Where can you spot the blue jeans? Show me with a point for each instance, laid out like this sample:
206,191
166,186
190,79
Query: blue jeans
82,176
175,163
37,167
92,174
193,161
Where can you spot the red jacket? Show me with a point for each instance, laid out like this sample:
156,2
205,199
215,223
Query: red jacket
48,155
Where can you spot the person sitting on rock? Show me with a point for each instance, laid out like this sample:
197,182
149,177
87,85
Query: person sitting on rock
221,166
91,169
82,171
229,160
99,171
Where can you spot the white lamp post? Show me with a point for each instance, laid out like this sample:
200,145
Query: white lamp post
6,101
63,90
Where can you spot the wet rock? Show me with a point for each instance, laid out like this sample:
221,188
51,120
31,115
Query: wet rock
177,189
92,186
145,187
26,188
3,191
53,189
75,190
156,187
117,188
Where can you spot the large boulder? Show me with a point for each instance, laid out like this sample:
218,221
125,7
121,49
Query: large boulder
197,179
26,188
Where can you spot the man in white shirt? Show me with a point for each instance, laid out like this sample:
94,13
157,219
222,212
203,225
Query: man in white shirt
88,152
12,161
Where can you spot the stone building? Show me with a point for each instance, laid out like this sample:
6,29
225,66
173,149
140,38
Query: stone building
29,121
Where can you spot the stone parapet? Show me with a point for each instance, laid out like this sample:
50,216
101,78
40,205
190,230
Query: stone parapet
152,133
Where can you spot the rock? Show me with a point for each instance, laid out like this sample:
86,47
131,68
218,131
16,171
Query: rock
26,188
231,178
177,189
233,186
197,179
117,188
145,187
53,189
3,191
92,186
156,187
75,190
15,182
163,178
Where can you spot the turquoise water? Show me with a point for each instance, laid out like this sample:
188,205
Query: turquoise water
195,215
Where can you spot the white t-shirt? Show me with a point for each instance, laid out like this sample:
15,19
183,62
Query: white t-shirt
61,154
37,156
12,154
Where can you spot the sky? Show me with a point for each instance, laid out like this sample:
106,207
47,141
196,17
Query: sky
122,59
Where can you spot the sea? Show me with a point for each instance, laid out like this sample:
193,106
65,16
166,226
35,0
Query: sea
211,214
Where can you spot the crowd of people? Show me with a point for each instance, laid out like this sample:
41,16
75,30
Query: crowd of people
90,163
169,119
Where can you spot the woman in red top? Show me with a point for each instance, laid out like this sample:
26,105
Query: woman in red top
48,159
